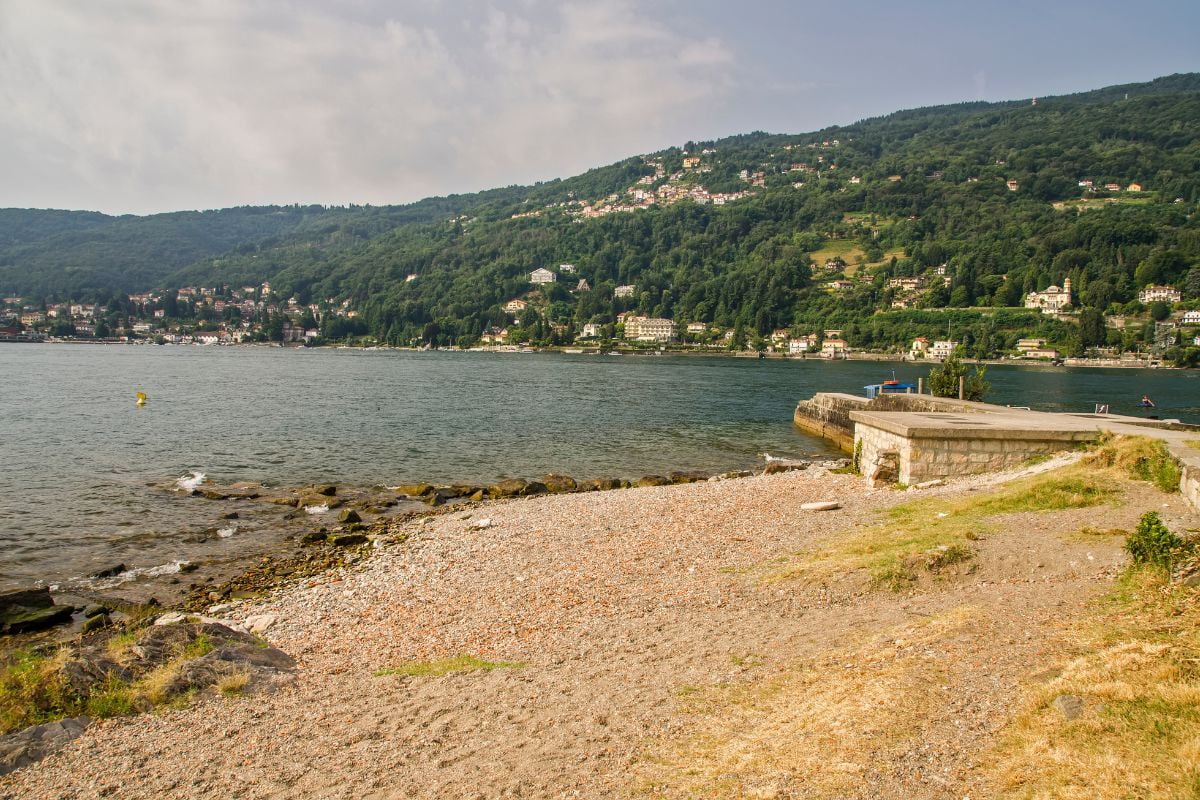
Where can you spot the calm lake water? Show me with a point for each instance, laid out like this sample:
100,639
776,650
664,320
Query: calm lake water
77,457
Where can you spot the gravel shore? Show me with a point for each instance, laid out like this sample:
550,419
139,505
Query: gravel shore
609,602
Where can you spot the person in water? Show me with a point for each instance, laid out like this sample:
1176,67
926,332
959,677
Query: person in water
1147,402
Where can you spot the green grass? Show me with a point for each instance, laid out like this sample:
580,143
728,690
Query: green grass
1141,458
446,666
34,690
926,536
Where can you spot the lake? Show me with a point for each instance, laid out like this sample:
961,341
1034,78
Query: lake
79,457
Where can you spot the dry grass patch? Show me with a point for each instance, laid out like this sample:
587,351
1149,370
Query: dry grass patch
1136,693
826,725
1139,457
926,536
446,666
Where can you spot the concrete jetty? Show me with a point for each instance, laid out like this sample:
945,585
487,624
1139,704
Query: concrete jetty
910,438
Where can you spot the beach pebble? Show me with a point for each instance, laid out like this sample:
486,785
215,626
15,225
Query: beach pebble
825,505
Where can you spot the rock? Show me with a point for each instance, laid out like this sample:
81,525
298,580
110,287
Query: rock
214,494
928,484
171,618
231,515
95,609
414,489
282,501
92,666
260,623
109,572
188,566
1070,706
535,487
25,610
738,473
347,539
478,495
349,515
824,505
435,498
479,525
652,480
513,487
312,537
557,484
776,467
327,489
95,623
687,477
31,745
318,500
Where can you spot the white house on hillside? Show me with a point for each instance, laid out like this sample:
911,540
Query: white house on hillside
623,291
542,275
1154,292
942,349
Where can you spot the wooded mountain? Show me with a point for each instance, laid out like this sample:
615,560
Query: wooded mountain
993,191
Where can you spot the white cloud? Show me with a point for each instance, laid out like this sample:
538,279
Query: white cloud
150,106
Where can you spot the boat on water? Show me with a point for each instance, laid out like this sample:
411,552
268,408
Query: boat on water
890,387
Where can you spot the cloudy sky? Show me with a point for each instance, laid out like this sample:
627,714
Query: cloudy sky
138,106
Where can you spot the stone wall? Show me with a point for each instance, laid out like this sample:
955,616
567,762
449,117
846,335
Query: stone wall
1189,480
827,414
888,457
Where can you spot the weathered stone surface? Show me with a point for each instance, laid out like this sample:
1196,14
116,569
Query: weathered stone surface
652,480
318,500
824,505
478,495
25,610
349,515
31,745
691,476
327,489
92,609
91,666
535,487
513,487
213,494
435,498
347,539
414,489
776,467
109,572
313,537
557,484
231,515
260,623
602,484
95,623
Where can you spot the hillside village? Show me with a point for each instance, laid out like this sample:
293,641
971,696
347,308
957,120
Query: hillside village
251,314
889,237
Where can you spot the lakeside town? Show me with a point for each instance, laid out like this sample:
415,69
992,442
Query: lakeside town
223,315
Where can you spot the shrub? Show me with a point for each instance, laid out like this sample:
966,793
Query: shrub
943,380
1153,543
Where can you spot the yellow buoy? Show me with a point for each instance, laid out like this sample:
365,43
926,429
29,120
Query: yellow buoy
141,398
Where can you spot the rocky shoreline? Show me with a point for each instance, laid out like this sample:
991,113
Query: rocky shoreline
84,624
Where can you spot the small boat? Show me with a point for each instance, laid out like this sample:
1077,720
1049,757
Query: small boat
890,387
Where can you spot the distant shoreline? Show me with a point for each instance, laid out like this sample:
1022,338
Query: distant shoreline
592,350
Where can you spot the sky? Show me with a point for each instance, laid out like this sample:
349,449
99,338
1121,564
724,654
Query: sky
142,106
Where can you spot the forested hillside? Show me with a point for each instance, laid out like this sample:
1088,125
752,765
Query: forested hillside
983,202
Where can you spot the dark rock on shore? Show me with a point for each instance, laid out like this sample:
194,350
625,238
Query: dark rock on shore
313,536
513,487
347,539
652,480
328,490
109,572
535,487
95,623
601,485
557,484
31,745
25,610
318,500
687,477
349,515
